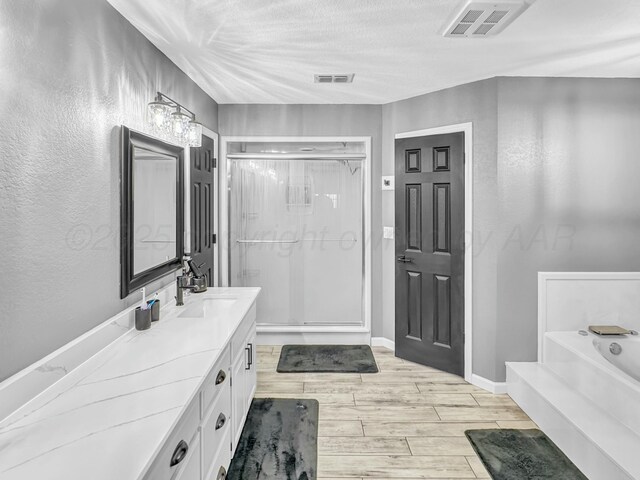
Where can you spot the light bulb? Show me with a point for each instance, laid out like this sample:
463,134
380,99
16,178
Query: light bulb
194,136
158,116
180,125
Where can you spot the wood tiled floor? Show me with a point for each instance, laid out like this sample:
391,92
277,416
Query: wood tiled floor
407,421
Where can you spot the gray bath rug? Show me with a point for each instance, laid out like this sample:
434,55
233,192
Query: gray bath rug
327,359
279,441
522,455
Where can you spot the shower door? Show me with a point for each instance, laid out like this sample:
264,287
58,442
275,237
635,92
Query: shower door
296,231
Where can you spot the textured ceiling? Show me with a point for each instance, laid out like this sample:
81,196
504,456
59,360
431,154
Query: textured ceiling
266,51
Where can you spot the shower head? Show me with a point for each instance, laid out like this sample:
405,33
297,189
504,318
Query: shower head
348,165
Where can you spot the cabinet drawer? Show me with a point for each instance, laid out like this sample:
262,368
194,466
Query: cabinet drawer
183,436
218,378
191,466
238,339
215,430
221,462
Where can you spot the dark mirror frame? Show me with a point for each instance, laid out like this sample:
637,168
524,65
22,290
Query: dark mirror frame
130,282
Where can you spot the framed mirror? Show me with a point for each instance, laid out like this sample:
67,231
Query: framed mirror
152,210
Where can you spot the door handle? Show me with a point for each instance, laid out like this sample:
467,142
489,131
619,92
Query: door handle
221,377
404,259
222,474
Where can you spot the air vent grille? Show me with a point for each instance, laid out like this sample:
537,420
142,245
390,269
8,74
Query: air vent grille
461,29
482,19
483,29
334,78
472,16
496,16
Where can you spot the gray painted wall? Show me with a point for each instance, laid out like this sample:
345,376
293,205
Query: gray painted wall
556,171
474,102
65,88
569,196
555,188
321,120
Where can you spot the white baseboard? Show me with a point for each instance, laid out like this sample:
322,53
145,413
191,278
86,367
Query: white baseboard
383,342
477,380
488,385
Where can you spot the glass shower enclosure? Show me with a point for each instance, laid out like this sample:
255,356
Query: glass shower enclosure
296,230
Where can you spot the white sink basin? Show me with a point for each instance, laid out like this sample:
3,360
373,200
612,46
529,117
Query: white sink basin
209,306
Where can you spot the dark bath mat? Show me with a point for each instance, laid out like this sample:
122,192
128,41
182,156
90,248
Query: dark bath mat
327,359
522,455
279,441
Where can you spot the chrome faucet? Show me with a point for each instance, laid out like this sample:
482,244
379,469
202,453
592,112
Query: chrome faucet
183,282
191,279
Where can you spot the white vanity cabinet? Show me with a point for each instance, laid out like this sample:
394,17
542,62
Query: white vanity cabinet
201,445
168,403
215,428
243,368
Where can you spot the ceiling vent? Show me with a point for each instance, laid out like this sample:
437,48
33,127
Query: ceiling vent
341,78
483,19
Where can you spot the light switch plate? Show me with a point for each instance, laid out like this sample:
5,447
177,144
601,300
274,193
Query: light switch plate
388,233
388,182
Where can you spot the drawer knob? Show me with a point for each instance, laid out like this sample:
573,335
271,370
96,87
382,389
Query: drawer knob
222,474
179,453
221,421
221,377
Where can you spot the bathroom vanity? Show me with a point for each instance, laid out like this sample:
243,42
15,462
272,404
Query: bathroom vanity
166,403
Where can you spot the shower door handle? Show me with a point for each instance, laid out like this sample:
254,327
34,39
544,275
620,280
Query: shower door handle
268,241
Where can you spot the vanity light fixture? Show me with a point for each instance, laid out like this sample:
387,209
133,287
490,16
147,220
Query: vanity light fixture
167,119
180,125
194,134
159,113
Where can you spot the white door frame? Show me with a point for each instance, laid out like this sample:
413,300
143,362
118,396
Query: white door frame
350,334
187,201
467,129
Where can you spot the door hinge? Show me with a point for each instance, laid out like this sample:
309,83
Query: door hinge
213,238
215,162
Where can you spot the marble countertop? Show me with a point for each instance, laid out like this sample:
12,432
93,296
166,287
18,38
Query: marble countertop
108,418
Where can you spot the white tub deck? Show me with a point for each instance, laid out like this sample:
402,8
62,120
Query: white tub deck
587,406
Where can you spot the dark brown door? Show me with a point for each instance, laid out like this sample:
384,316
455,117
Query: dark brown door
430,251
203,162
